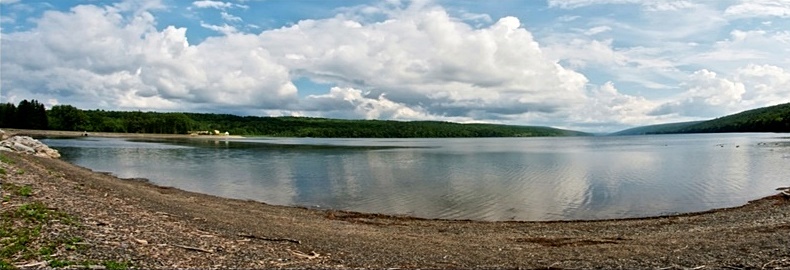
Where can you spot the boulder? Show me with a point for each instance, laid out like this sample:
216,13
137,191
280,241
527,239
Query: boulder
28,145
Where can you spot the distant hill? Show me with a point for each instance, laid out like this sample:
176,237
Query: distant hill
655,129
768,119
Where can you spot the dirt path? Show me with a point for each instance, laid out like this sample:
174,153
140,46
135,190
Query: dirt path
132,223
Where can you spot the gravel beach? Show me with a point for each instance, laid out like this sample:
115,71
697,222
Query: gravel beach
131,223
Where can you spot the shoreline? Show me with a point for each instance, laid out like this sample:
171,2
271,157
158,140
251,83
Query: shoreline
59,133
151,226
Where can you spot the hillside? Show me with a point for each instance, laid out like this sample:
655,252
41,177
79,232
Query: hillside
654,129
767,119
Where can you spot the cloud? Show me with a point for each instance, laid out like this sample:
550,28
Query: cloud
352,103
752,46
224,29
654,5
406,61
759,8
710,95
571,4
597,30
426,58
212,4
217,4
608,107
4,2
229,17
94,57
418,63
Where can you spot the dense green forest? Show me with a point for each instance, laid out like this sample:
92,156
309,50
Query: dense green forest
70,118
767,119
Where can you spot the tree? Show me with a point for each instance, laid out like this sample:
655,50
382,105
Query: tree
8,115
67,117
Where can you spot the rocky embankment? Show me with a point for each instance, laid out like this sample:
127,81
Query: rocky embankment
26,145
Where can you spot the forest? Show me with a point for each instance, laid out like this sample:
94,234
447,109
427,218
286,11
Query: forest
767,119
33,115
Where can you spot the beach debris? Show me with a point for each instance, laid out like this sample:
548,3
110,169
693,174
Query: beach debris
28,145
33,265
192,248
309,256
274,239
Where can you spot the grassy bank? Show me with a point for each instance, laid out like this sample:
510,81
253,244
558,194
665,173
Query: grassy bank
34,234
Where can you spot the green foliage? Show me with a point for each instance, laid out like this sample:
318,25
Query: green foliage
25,191
67,117
6,159
7,115
182,123
6,265
27,115
35,211
113,265
21,229
2,171
55,263
767,119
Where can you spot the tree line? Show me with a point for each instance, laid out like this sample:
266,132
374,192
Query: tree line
27,115
767,119
33,115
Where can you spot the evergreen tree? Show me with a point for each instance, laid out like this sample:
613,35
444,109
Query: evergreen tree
8,115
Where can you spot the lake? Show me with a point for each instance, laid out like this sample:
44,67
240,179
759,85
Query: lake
556,178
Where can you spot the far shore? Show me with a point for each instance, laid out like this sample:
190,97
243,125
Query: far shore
62,133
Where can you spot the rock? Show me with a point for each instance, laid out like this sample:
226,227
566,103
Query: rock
28,145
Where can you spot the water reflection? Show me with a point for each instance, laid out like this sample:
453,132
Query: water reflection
483,179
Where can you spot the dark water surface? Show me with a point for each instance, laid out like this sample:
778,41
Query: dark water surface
482,179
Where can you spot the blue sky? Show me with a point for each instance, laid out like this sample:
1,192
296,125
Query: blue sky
591,65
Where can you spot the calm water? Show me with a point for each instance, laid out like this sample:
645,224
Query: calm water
481,179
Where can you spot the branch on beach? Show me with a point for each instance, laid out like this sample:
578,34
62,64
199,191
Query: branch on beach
192,248
275,239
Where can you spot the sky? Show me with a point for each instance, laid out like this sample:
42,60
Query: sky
588,65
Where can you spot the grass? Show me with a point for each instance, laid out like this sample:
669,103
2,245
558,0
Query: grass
113,265
55,263
24,191
21,228
5,159
25,225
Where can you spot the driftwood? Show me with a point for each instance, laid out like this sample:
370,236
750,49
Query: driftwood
192,248
32,265
311,255
275,239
